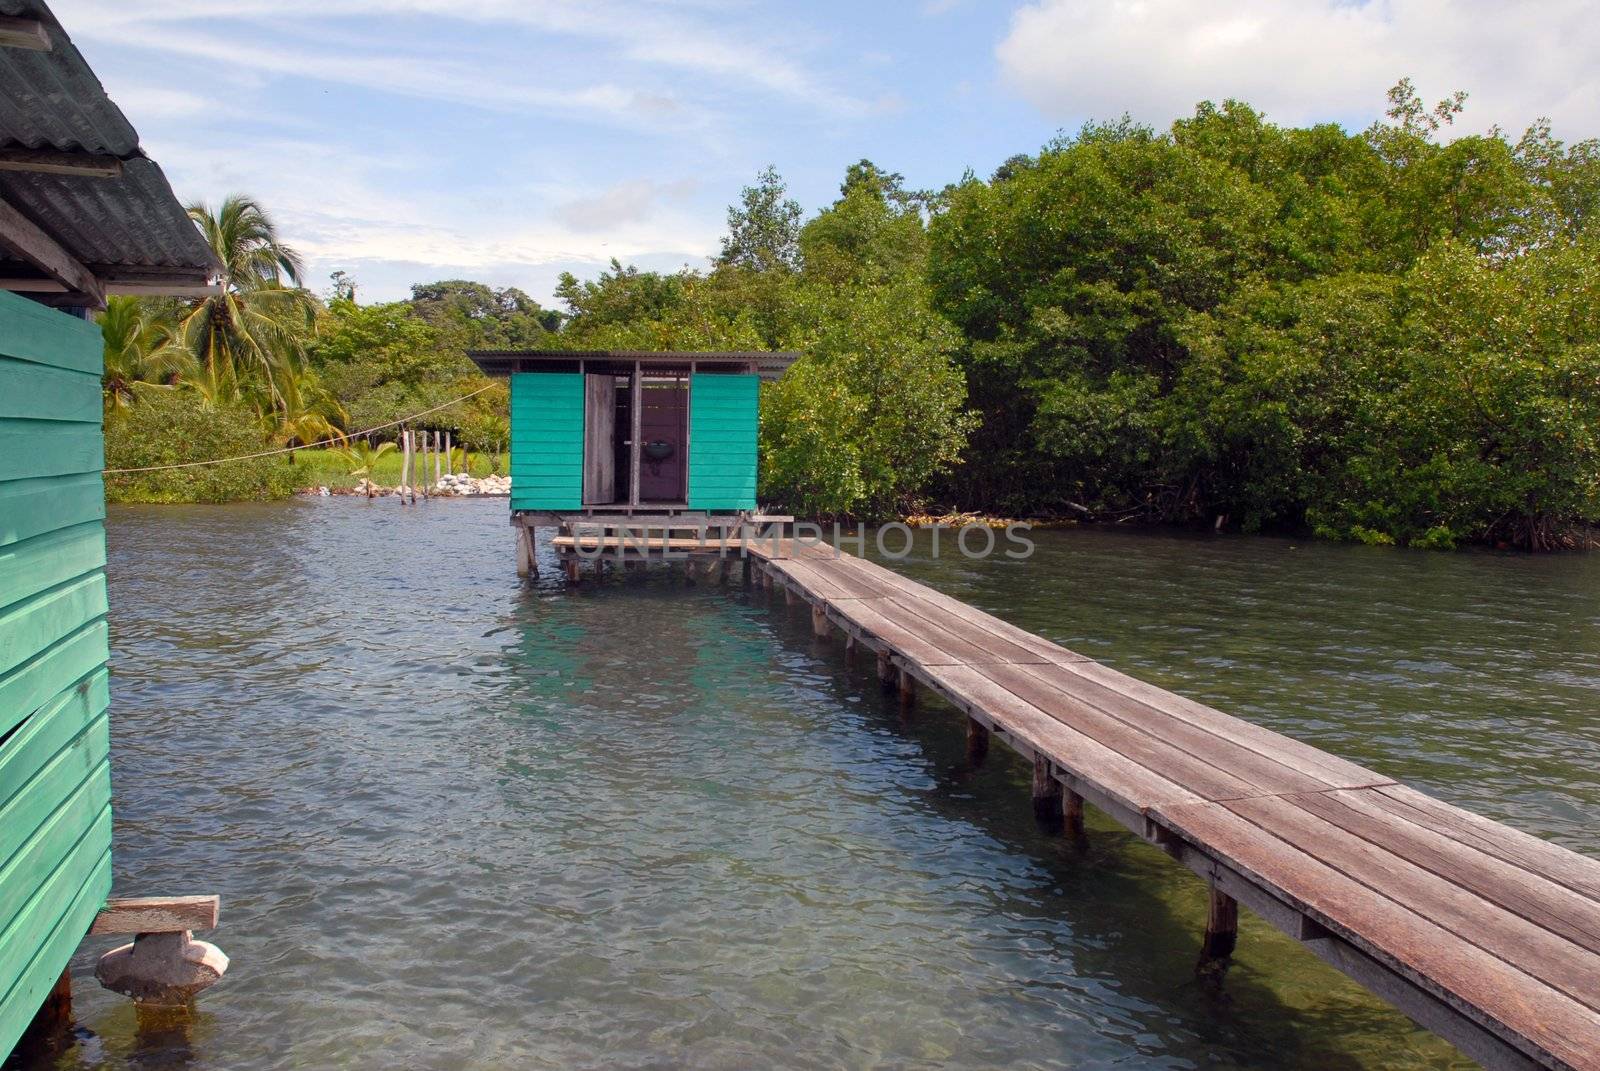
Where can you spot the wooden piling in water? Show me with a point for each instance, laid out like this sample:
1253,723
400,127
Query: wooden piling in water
1222,934
885,669
1047,807
977,741
907,689
819,621
1072,814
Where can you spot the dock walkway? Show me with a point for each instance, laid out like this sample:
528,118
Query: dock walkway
1486,935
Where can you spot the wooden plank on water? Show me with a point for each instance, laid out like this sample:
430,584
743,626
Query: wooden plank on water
1533,896
911,638
1267,772
1580,874
1531,1015
1005,630
1332,769
1195,771
1469,918
1134,786
157,914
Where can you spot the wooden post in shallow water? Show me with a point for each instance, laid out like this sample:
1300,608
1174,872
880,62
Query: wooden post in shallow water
819,621
885,669
908,689
1222,934
1072,814
977,741
48,1032
1047,806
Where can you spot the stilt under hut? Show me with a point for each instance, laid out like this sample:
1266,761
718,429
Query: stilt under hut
83,213
630,446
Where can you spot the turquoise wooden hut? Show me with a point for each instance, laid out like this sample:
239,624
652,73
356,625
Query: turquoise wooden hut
620,432
83,213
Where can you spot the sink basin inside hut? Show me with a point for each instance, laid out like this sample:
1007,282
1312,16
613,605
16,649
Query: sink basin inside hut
656,450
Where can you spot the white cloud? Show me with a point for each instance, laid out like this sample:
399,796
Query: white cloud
625,203
1307,60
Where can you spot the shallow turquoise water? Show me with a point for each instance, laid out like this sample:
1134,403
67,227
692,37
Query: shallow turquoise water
458,822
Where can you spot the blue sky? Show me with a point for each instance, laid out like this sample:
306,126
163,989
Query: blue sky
510,140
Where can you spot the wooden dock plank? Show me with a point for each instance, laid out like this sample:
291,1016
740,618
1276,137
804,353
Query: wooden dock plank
1480,930
1576,872
1136,787
1049,651
1171,760
1330,768
1537,952
922,644
1554,1028
1166,739
1530,895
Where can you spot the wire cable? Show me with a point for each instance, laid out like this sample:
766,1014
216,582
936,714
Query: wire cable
292,449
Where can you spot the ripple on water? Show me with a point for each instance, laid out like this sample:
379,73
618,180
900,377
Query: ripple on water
460,823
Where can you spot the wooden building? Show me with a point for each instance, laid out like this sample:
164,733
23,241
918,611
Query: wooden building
83,213
608,432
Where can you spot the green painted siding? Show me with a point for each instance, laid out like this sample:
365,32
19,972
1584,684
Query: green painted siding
722,441
547,440
55,783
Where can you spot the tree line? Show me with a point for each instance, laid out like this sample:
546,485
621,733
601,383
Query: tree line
1388,336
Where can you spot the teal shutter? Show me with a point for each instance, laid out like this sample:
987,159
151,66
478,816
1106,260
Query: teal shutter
55,779
547,440
722,441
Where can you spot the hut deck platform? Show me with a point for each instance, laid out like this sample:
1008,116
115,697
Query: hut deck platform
1486,935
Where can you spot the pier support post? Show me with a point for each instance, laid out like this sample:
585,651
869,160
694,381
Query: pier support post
788,595
1222,933
527,564
165,969
819,621
908,689
977,741
52,1022
850,648
571,566
1072,814
1047,806
885,669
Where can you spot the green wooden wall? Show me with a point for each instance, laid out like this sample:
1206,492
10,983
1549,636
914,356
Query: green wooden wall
722,441
55,782
547,440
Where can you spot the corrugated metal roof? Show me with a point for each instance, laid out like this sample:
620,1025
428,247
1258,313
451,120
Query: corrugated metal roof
766,363
53,101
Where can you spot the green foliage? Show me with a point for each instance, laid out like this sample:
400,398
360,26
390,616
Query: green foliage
167,427
1377,336
763,228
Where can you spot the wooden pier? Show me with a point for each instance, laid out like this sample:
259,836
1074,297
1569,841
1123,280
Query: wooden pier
1483,934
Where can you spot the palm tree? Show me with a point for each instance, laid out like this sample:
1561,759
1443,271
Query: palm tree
306,412
142,348
363,456
261,319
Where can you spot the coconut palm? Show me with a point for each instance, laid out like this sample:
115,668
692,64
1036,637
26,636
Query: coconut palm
306,412
256,328
142,348
363,458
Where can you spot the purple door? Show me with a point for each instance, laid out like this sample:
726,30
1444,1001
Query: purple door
663,435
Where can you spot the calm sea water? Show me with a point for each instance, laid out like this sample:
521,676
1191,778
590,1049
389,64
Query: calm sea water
459,822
